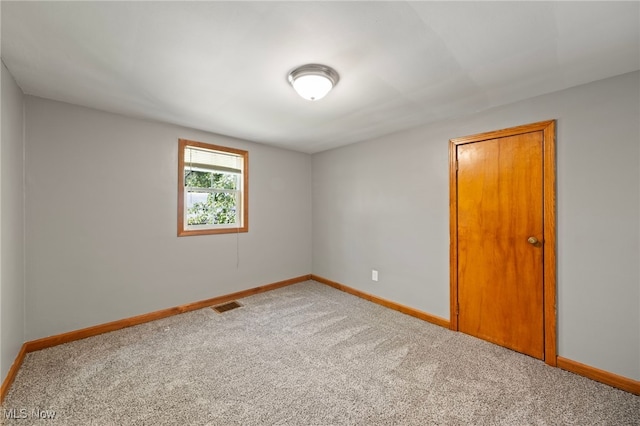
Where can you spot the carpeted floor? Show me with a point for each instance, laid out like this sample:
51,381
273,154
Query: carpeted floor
306,354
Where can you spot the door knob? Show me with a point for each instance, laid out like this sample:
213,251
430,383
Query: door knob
532,240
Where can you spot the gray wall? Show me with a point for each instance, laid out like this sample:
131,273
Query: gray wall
384,204
12,279
101,218
101,193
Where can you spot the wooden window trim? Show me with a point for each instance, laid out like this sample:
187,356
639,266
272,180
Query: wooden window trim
182,232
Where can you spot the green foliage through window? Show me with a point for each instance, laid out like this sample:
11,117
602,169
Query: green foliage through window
216,203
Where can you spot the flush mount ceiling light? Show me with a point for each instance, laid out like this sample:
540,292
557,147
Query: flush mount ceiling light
313,81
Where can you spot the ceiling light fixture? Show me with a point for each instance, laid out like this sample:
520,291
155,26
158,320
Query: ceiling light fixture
313,81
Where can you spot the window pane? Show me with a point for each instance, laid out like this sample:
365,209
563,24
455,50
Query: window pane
199,179
205,208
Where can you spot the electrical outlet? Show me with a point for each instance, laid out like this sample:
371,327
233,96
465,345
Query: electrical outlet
374,275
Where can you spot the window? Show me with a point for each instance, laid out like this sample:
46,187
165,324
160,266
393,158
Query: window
212,189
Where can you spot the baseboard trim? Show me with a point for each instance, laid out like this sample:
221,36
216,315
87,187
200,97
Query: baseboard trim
13,371
611,379
383,302
58,339
47,342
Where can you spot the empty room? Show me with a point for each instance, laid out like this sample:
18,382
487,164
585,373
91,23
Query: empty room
320,213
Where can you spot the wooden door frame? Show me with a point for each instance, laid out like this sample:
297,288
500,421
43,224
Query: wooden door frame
549,221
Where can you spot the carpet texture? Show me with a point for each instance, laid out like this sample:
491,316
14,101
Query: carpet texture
306,354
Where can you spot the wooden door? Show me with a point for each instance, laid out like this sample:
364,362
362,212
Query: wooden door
501,237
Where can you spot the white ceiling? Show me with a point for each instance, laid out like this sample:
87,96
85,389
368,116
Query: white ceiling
222,66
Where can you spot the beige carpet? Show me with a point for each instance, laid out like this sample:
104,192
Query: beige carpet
305,354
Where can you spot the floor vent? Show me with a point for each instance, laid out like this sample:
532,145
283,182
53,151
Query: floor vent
226,307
